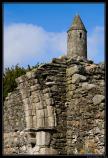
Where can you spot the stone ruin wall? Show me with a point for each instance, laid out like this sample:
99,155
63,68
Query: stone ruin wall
57,108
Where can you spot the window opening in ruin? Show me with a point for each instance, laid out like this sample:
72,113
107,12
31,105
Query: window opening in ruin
80,34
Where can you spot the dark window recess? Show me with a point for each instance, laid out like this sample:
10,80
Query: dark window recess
33,145
80,34
33,135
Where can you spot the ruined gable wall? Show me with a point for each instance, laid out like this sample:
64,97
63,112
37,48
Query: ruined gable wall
43,93
63,102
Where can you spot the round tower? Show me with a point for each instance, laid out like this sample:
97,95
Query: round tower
77,39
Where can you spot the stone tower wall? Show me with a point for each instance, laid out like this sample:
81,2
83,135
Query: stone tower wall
77,43
61,105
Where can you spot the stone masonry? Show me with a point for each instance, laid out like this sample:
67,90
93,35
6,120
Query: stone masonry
60,107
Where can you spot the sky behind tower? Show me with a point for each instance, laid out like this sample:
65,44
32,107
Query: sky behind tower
36,32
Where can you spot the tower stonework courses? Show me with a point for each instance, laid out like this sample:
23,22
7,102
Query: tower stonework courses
77,39
58,108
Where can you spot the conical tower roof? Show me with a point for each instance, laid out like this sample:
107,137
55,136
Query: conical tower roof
77,24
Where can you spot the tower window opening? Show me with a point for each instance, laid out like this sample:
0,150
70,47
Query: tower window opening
80,34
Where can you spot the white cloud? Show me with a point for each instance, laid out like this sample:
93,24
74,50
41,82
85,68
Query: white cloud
96,44
28,44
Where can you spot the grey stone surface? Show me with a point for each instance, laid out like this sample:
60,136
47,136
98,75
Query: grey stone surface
43,138
70,71
48,151
40,113
78,78
77,40
98,99
66,118
88,86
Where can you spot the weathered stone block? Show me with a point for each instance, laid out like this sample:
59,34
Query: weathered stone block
102,106
49,101
100,115
102,82
28,112
29,121
35,99
46,122
25,93
69,82
33,106
48,151
41,122
50,83
98,99
20,79
88,86
72,70
47,95
35,87
54,88
26,101
50,111
51,121
43,138
46,112
71,87
39,105
34,122
29,74
77,78
33,112
96,130
35,81
69,94
46,90
27,106
40,113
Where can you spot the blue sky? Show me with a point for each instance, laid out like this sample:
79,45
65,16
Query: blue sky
36,32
